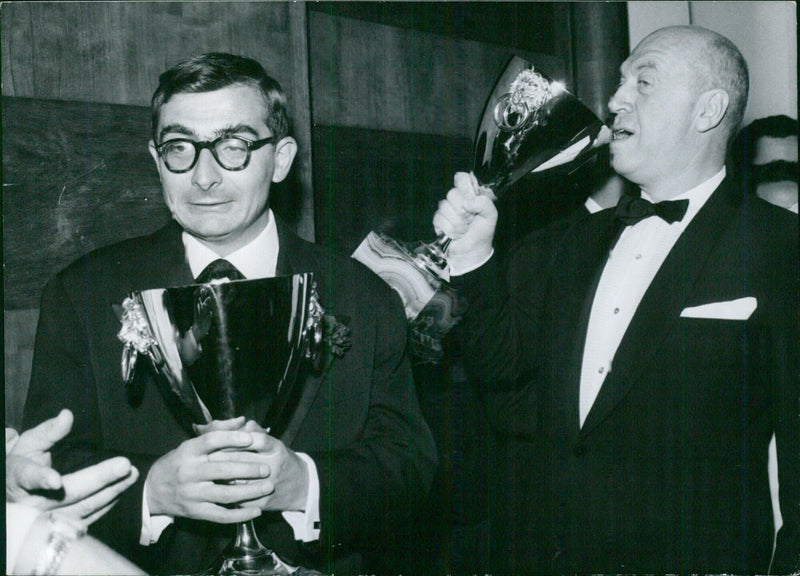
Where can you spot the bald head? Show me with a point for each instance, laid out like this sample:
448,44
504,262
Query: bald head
681,98
716,62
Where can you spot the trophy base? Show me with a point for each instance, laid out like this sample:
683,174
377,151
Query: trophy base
246,556
263,564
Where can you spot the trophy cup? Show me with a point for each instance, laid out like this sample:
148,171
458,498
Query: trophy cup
530,123
226,349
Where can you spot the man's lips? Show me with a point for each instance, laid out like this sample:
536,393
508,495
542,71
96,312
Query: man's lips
214,204
620,133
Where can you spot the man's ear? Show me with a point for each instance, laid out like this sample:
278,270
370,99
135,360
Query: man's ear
713,105
285,151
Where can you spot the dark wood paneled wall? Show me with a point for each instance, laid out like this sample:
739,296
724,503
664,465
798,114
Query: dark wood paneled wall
76,176
369,75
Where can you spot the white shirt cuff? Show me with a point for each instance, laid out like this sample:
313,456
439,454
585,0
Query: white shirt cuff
592,206
306,524
461,266
152,526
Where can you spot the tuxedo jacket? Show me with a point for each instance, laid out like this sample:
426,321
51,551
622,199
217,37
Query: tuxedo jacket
669,471
359,419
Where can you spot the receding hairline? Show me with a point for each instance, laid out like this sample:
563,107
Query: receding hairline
715,60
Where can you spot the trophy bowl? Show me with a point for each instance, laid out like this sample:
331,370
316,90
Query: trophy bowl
530,123
226,349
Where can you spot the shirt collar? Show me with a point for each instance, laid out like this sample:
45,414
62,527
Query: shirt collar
258,259
697,196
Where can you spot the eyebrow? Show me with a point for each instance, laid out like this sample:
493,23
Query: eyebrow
647,65
224,131
174,129
639,66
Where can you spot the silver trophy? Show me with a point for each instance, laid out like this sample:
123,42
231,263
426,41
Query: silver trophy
224,350
530,123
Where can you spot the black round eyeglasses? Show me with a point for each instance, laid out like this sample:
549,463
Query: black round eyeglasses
231,152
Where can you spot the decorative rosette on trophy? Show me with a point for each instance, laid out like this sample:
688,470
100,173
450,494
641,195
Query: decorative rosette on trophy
530,123
226,349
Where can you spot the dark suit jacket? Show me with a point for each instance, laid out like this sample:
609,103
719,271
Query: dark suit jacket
360,421
669,472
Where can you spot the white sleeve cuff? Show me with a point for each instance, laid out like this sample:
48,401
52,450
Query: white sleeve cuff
461,266
306,524
152,526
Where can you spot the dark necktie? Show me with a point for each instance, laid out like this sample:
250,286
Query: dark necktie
217,270
632,209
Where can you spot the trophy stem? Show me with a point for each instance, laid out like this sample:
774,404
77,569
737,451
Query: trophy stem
442,243
433,257
247,556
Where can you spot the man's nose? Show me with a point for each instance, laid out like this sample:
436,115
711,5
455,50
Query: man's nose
620,100
206,172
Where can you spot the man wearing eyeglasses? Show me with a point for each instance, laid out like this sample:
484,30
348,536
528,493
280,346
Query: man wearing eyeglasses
356,458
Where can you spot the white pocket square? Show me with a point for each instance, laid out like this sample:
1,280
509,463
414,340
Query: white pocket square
739,309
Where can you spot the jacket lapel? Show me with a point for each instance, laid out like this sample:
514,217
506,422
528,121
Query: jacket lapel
661,305
163,260
571,292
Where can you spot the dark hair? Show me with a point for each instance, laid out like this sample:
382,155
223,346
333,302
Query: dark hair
745,148
778,126
216,70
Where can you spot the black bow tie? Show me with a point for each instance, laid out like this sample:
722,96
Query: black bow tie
217,270
632,209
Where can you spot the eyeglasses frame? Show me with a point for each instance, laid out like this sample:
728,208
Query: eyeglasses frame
210,145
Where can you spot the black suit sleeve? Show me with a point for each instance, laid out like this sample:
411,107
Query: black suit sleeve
502,325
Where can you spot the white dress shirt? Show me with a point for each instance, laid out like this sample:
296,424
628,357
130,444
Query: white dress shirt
258,259
628,272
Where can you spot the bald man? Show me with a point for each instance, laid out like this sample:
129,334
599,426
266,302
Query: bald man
647,377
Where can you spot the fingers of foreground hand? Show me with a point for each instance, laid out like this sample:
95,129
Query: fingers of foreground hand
24,476
233,468
466,181
223,515
240,456
95,479
183,479
216,440
234,492
91,492
42,437
220,425
458,211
